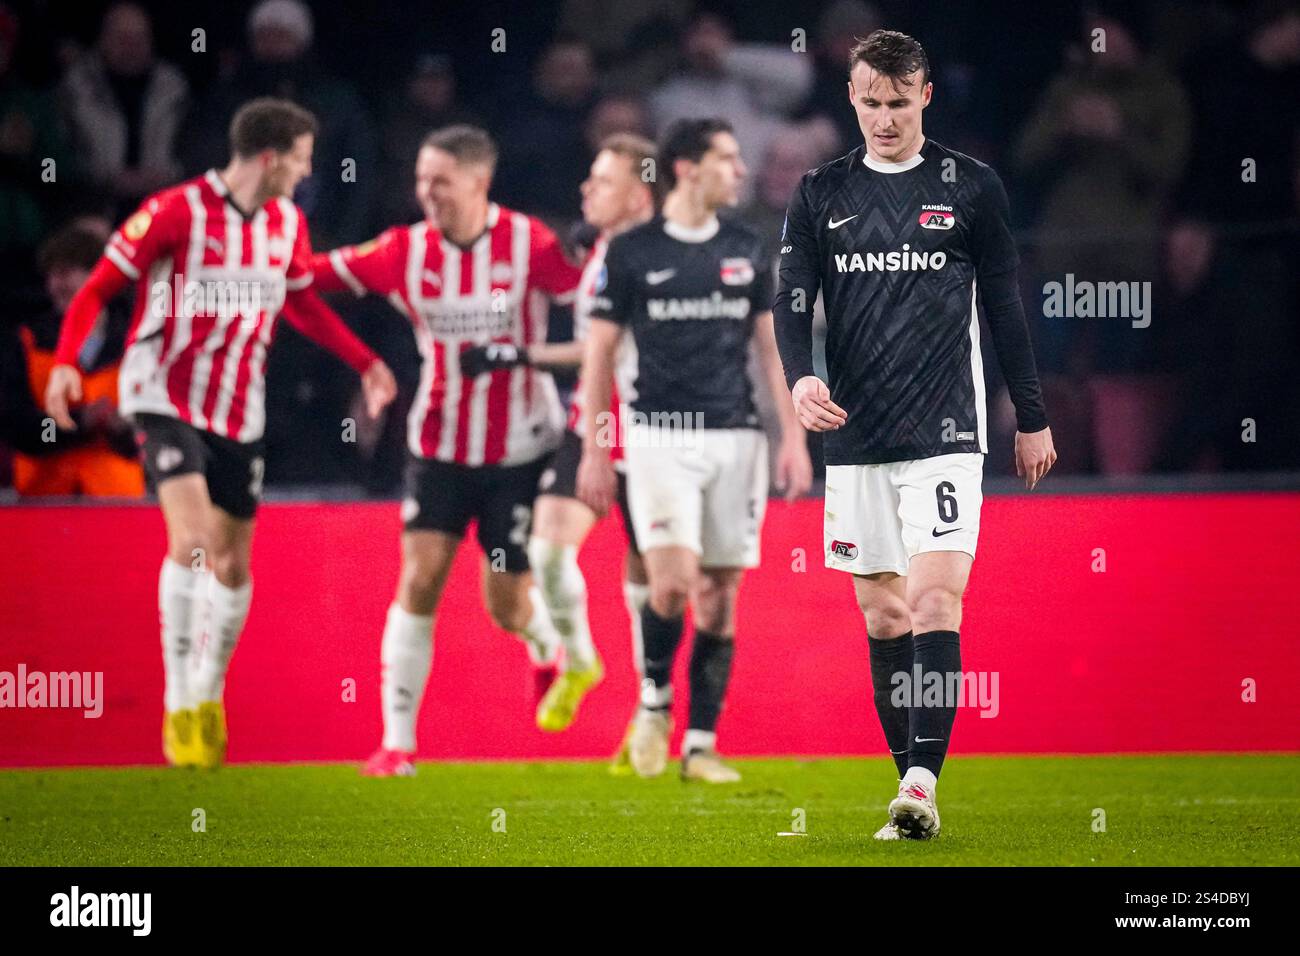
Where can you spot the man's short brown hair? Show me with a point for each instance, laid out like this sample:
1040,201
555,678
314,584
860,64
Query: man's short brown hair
892,54
468,144
643,154
269,123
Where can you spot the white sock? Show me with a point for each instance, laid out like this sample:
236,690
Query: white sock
922,776
565,591
699,740
539,635
406,656
180,600
635,597
227,612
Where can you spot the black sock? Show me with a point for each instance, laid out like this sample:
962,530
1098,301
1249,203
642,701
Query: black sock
930,727
659,639
710,673
890,657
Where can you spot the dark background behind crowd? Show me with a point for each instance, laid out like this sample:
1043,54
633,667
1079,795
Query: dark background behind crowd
1173,157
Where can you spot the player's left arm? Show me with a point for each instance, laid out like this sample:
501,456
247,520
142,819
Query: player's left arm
996,260
794,470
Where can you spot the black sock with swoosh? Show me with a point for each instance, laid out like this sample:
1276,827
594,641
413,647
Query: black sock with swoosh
890,656
930,719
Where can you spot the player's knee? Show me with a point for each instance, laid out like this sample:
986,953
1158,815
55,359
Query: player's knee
419,586
669,596
934,609
510,608
231,567
886,618
190,547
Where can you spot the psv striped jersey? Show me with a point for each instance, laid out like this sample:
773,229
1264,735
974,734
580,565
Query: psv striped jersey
496,290
211,282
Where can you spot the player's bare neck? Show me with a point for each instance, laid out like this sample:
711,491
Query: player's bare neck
686,211
899,159
474,226
243,187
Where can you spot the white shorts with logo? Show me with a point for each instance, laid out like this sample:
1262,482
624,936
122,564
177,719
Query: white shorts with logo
879,516
704,489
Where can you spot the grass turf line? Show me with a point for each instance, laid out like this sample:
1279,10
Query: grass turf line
1164,810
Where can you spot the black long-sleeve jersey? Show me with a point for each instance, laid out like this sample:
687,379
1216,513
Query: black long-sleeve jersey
691,298
900,253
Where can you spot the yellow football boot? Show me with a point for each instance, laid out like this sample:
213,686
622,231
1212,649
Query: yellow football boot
560,704
181,738
212,735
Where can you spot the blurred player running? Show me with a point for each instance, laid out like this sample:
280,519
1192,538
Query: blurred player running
901,235
215,260
615,196
694,291
484,421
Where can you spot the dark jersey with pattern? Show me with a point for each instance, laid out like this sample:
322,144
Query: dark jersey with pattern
691,303
900,257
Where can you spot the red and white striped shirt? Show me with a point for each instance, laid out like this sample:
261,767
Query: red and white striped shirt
624,389
497,290
211,282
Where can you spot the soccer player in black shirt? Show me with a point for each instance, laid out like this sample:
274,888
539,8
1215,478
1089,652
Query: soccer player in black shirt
902,236
694,290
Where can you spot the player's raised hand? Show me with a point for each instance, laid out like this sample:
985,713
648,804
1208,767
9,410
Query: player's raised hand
813,406
597,482
63,388
379,387
794,470
1035,455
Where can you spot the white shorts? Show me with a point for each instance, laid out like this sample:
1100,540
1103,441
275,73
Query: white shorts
704,489
879,516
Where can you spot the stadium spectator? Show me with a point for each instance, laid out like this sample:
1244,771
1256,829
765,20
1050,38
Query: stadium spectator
429,102
836,33
1108,139
1234,249
616,113
756,86
32,148
339,197
124,109
98,458
544,151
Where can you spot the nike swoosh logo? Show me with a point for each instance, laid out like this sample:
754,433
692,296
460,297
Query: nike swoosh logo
927,740
939,534
832,224
663,275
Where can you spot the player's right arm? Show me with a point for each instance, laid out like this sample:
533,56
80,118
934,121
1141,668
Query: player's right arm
597,484
611,311
130,252
792,312
377,266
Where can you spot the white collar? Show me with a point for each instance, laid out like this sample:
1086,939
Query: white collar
904,166
698,234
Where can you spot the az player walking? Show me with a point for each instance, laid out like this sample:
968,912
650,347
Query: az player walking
693,289
902,235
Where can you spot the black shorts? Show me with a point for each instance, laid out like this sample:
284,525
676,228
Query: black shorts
233,470
561,479
442,496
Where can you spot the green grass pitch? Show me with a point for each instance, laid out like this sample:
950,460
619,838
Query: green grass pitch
1163,810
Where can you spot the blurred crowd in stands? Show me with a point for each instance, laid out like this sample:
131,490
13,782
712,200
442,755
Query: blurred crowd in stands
1164,149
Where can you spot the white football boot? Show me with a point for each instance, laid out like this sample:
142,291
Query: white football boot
647,748
914,813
